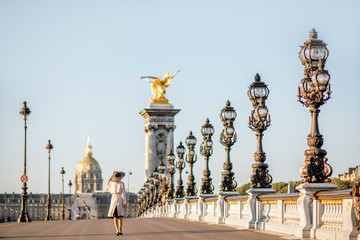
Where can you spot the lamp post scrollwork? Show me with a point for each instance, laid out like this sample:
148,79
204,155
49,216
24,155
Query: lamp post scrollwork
206,150
191,158
180,165
227,139
313,91
259,121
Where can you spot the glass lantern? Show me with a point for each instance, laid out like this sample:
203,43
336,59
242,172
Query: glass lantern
171,157
25,112
227,113
180,150
191,140
258,91
313,51
207,129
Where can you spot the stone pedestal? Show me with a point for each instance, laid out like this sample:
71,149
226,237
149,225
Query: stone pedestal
187,206
159,134
305,202
253,204
223,205
202,205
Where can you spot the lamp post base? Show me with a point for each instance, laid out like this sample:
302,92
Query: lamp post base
24,218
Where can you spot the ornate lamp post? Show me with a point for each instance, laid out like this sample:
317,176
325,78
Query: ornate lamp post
146,196
156,183
128,195
62,172
259,121
49,147
24,217
207,130
139,202
171,170
314,91
227,139
163,182
70,184
180,165
191,158
152,189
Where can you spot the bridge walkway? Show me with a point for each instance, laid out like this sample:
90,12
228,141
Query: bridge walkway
134,229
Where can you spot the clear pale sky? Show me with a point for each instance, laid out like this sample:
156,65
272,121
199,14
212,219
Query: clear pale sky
78,65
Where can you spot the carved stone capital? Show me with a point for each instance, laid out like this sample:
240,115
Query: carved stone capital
170,127
151,127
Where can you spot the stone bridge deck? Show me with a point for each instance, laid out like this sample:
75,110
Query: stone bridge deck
139,229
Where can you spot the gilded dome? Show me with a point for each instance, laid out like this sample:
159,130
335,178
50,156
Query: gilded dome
88,163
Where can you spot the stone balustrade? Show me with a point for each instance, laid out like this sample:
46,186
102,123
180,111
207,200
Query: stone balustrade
321,215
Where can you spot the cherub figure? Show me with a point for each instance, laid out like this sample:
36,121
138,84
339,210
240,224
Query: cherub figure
159,85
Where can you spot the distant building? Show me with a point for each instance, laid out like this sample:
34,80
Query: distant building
10,205
351,175
88,173
82,206
88,202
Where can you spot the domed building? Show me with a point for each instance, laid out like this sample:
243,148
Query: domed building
88,173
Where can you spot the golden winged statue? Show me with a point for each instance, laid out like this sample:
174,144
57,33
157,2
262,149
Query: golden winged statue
159,86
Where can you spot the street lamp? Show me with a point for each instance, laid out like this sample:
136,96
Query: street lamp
314,91
227,139
171,170
49,147
191,158
128,194
207,130
62,172
259,121
70,184
156,183
180,165
24,216
163,182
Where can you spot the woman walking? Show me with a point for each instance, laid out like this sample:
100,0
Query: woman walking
118,200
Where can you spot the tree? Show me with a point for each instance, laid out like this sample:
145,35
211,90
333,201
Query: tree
242,190
280,187
342,185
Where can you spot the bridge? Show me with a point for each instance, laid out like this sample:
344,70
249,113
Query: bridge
146,229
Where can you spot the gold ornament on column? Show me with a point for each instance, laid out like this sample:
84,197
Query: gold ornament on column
158,86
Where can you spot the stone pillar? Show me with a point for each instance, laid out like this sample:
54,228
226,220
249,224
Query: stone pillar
223,206
159,137
255,206
305,205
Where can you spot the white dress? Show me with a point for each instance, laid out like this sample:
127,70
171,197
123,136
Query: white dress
118,197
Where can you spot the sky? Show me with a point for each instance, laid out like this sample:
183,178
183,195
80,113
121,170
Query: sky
78,65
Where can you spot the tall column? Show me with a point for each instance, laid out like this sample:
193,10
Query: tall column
159,137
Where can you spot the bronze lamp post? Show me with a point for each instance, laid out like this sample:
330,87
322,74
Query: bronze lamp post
227,139
171,170
180,165
314,91
156,183
259,121
207,130
191,158
49,147
62,172
24,215
163,182
70,184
